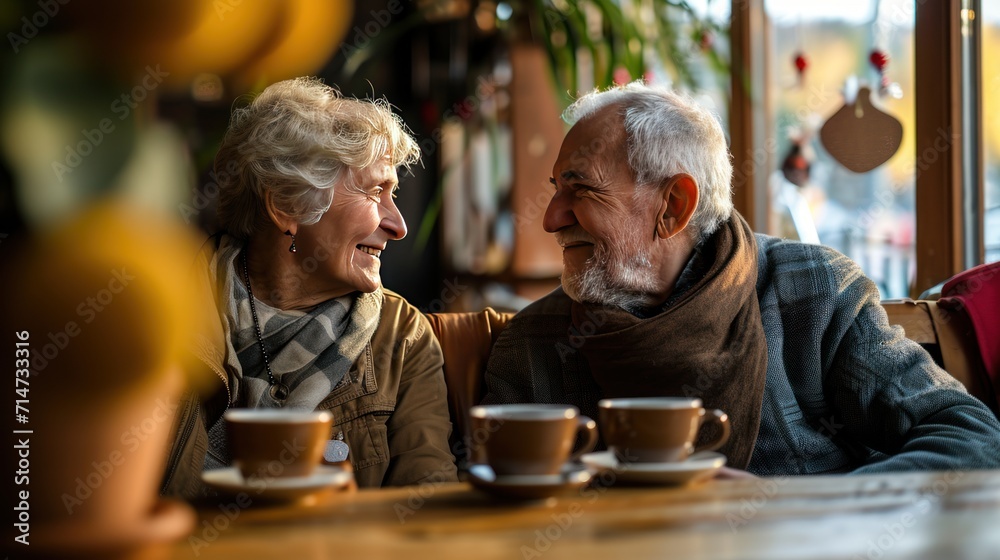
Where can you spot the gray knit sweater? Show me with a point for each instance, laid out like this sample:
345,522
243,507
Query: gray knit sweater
845,392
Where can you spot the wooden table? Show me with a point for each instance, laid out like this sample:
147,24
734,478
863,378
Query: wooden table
911,515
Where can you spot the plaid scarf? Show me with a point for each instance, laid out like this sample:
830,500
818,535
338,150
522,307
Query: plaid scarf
310,352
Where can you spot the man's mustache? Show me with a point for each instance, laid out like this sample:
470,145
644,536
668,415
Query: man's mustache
574,235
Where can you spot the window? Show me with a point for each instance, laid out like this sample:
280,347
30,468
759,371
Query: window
820,54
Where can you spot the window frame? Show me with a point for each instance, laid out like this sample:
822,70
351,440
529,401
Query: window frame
948,86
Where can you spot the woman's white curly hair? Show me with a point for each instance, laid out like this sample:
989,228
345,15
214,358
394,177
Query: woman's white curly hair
296,140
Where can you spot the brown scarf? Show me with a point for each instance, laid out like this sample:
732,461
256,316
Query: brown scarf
709,344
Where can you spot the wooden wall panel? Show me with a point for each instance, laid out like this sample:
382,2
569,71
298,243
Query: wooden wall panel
537,134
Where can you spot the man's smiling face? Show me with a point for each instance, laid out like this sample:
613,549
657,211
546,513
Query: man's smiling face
605,229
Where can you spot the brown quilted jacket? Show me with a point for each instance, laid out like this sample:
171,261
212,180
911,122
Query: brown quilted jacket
392,410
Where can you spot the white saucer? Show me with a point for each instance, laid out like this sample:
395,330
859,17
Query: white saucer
229,481
530,487
700,466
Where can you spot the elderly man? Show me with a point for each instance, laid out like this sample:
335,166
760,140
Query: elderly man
667,291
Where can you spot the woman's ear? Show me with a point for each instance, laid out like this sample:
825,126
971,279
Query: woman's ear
678,201
280,219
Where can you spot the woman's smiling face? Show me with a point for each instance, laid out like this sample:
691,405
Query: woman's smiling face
348,240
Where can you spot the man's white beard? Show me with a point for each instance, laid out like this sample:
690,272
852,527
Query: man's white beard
615,275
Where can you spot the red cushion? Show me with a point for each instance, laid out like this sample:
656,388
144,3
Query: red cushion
977,290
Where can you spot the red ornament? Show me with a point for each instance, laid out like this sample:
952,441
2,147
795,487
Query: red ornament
705,40
800,67
801,63
879,60
621,76
429,114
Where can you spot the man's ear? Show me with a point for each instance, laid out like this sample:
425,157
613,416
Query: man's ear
679,198
280,219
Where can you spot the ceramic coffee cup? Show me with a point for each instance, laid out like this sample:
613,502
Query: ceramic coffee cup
658,429
528,439
278,443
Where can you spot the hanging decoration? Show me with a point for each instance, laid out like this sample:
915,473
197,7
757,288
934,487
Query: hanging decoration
704,38
798,160
860,136
883,31
799,60
880,62
801,64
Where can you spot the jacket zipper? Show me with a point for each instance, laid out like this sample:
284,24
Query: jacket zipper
175,456
223,378
189,426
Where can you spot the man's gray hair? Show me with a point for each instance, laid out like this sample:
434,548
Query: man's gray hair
296,140
669,133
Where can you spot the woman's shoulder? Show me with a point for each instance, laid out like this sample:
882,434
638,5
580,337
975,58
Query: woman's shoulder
393,300
400,315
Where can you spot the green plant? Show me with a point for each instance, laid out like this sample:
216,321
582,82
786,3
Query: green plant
633,36
589,43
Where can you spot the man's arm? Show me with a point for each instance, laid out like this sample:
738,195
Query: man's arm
893,399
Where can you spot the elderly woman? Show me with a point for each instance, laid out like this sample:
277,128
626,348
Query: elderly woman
307,180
